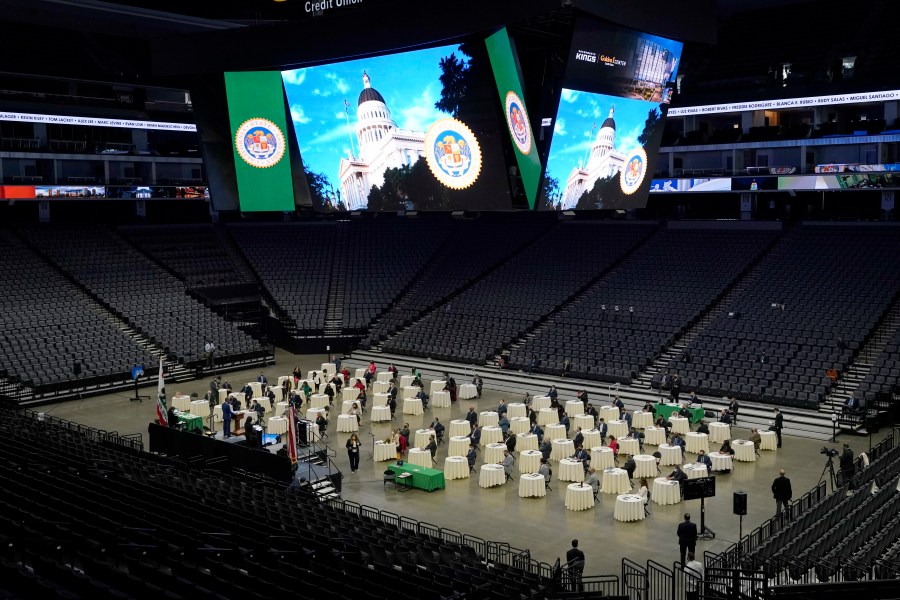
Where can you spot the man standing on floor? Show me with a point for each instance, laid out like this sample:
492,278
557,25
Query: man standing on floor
687,536
778,425
575,562
781,491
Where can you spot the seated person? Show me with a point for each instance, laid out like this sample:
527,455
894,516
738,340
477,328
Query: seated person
725,417
703,428
677,474
546,449
337,381
851,405
603,428
503,423
649,407
475,436
583,457
354,410
257,408
538,431
235,403
614,444
329,391
579,437
438,427
593,412
511,442
630,467
663,424
703,459
544,470
684,411
756,439
431,446
637,435
726,448
679,441
270,394
507,463
593,481
470,457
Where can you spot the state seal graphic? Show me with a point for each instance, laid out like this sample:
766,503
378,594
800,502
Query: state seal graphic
517,121
259,142
452,153
633,171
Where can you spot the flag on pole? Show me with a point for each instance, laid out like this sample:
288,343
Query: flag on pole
161,413
292,436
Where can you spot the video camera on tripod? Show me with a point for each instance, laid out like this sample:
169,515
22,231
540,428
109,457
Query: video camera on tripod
829,452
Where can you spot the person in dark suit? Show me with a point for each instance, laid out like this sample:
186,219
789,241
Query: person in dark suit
603,428
583,396
851,405
733,408
674,391
778,425
579,437
263,379
575,562
781,491
502,409
227,414
687,536
472,417
848,467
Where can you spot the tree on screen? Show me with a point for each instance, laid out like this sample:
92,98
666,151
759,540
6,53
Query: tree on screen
319,188
409,187
652,128
550,191
455,85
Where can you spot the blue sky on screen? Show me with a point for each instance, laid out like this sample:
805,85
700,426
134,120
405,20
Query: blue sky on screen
578,113
409,82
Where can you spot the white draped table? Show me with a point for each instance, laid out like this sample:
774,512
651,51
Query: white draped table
519,425
679,424
719,432
769,440
629,445
491,434
602,457
561,448
409,391
744,450
419,456
548,416
671,455
437,385
532,485
313,413
440,399
697,442
380,387
615,481
459,445
579,496
555,431
277,425
467,391
720,462
380,399
516,409
456,467
405,380
347,423
491,475
493,453
529,461
488,417
570,470
412,406
199,408
421,437
540,402
666,491
695,470
182,403
318,401
384,451
629,507
381,414
460,427
641,419
574,407
526,441
645,466
584,421
655,436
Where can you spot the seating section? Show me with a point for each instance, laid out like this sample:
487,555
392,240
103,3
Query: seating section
293,262
884,376
476,324
148,298
47,325
811,306
630,316
197,254
81,519
476,247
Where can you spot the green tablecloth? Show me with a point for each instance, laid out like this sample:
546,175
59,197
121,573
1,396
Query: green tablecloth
666,410
190,422
421,477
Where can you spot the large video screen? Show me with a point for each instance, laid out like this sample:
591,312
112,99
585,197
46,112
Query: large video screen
610,118
418,130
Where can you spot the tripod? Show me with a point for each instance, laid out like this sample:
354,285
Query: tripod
829,470
137,396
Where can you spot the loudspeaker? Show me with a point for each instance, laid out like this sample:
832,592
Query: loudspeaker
740,503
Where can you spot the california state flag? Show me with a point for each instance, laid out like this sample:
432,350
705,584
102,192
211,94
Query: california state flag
161,414
292,436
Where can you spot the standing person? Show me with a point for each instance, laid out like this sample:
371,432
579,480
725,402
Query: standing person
262,379
848,467
778,425
431,447
675,391
472,417
575,562
227,414
694,572
687,536
214,387
337,362
781,491
210,349
353,445
298,375
478,383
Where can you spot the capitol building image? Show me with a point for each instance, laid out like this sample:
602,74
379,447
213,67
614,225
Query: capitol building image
604,162
381,146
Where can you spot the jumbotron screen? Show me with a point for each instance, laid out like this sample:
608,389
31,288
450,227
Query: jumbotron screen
610,118
418,130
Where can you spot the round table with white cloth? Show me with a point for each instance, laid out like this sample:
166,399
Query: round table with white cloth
409,391
381,386
281,379
493,453
310,375
608,413
488,417
615,481
671,455
217,413
744,450
223,394
629,507
346,405
645,466
257,389
548,416
459,445
382,376
491,475
318,401
277,392
679,424
281,407
264,402
277,425
539,402
419,456
200,408
574,407
329,368
562,448
313,413
437,385
629,445
591,438
491,434
526,441
617,428
666,491
529,461
697,442
719,432
421,437
654,435
456,467
412,406
641,419
555,431
347,423
440,399
182,403
519,425
384,451
584,421
579,496
468,390
325,386
460,427
570,470
380,399
405,380
349,393
602,457
532,485
720,462
516,409
381,414
695,470
768,440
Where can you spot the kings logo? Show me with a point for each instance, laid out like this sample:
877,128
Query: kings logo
634,171
259,142
452,153
517,121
